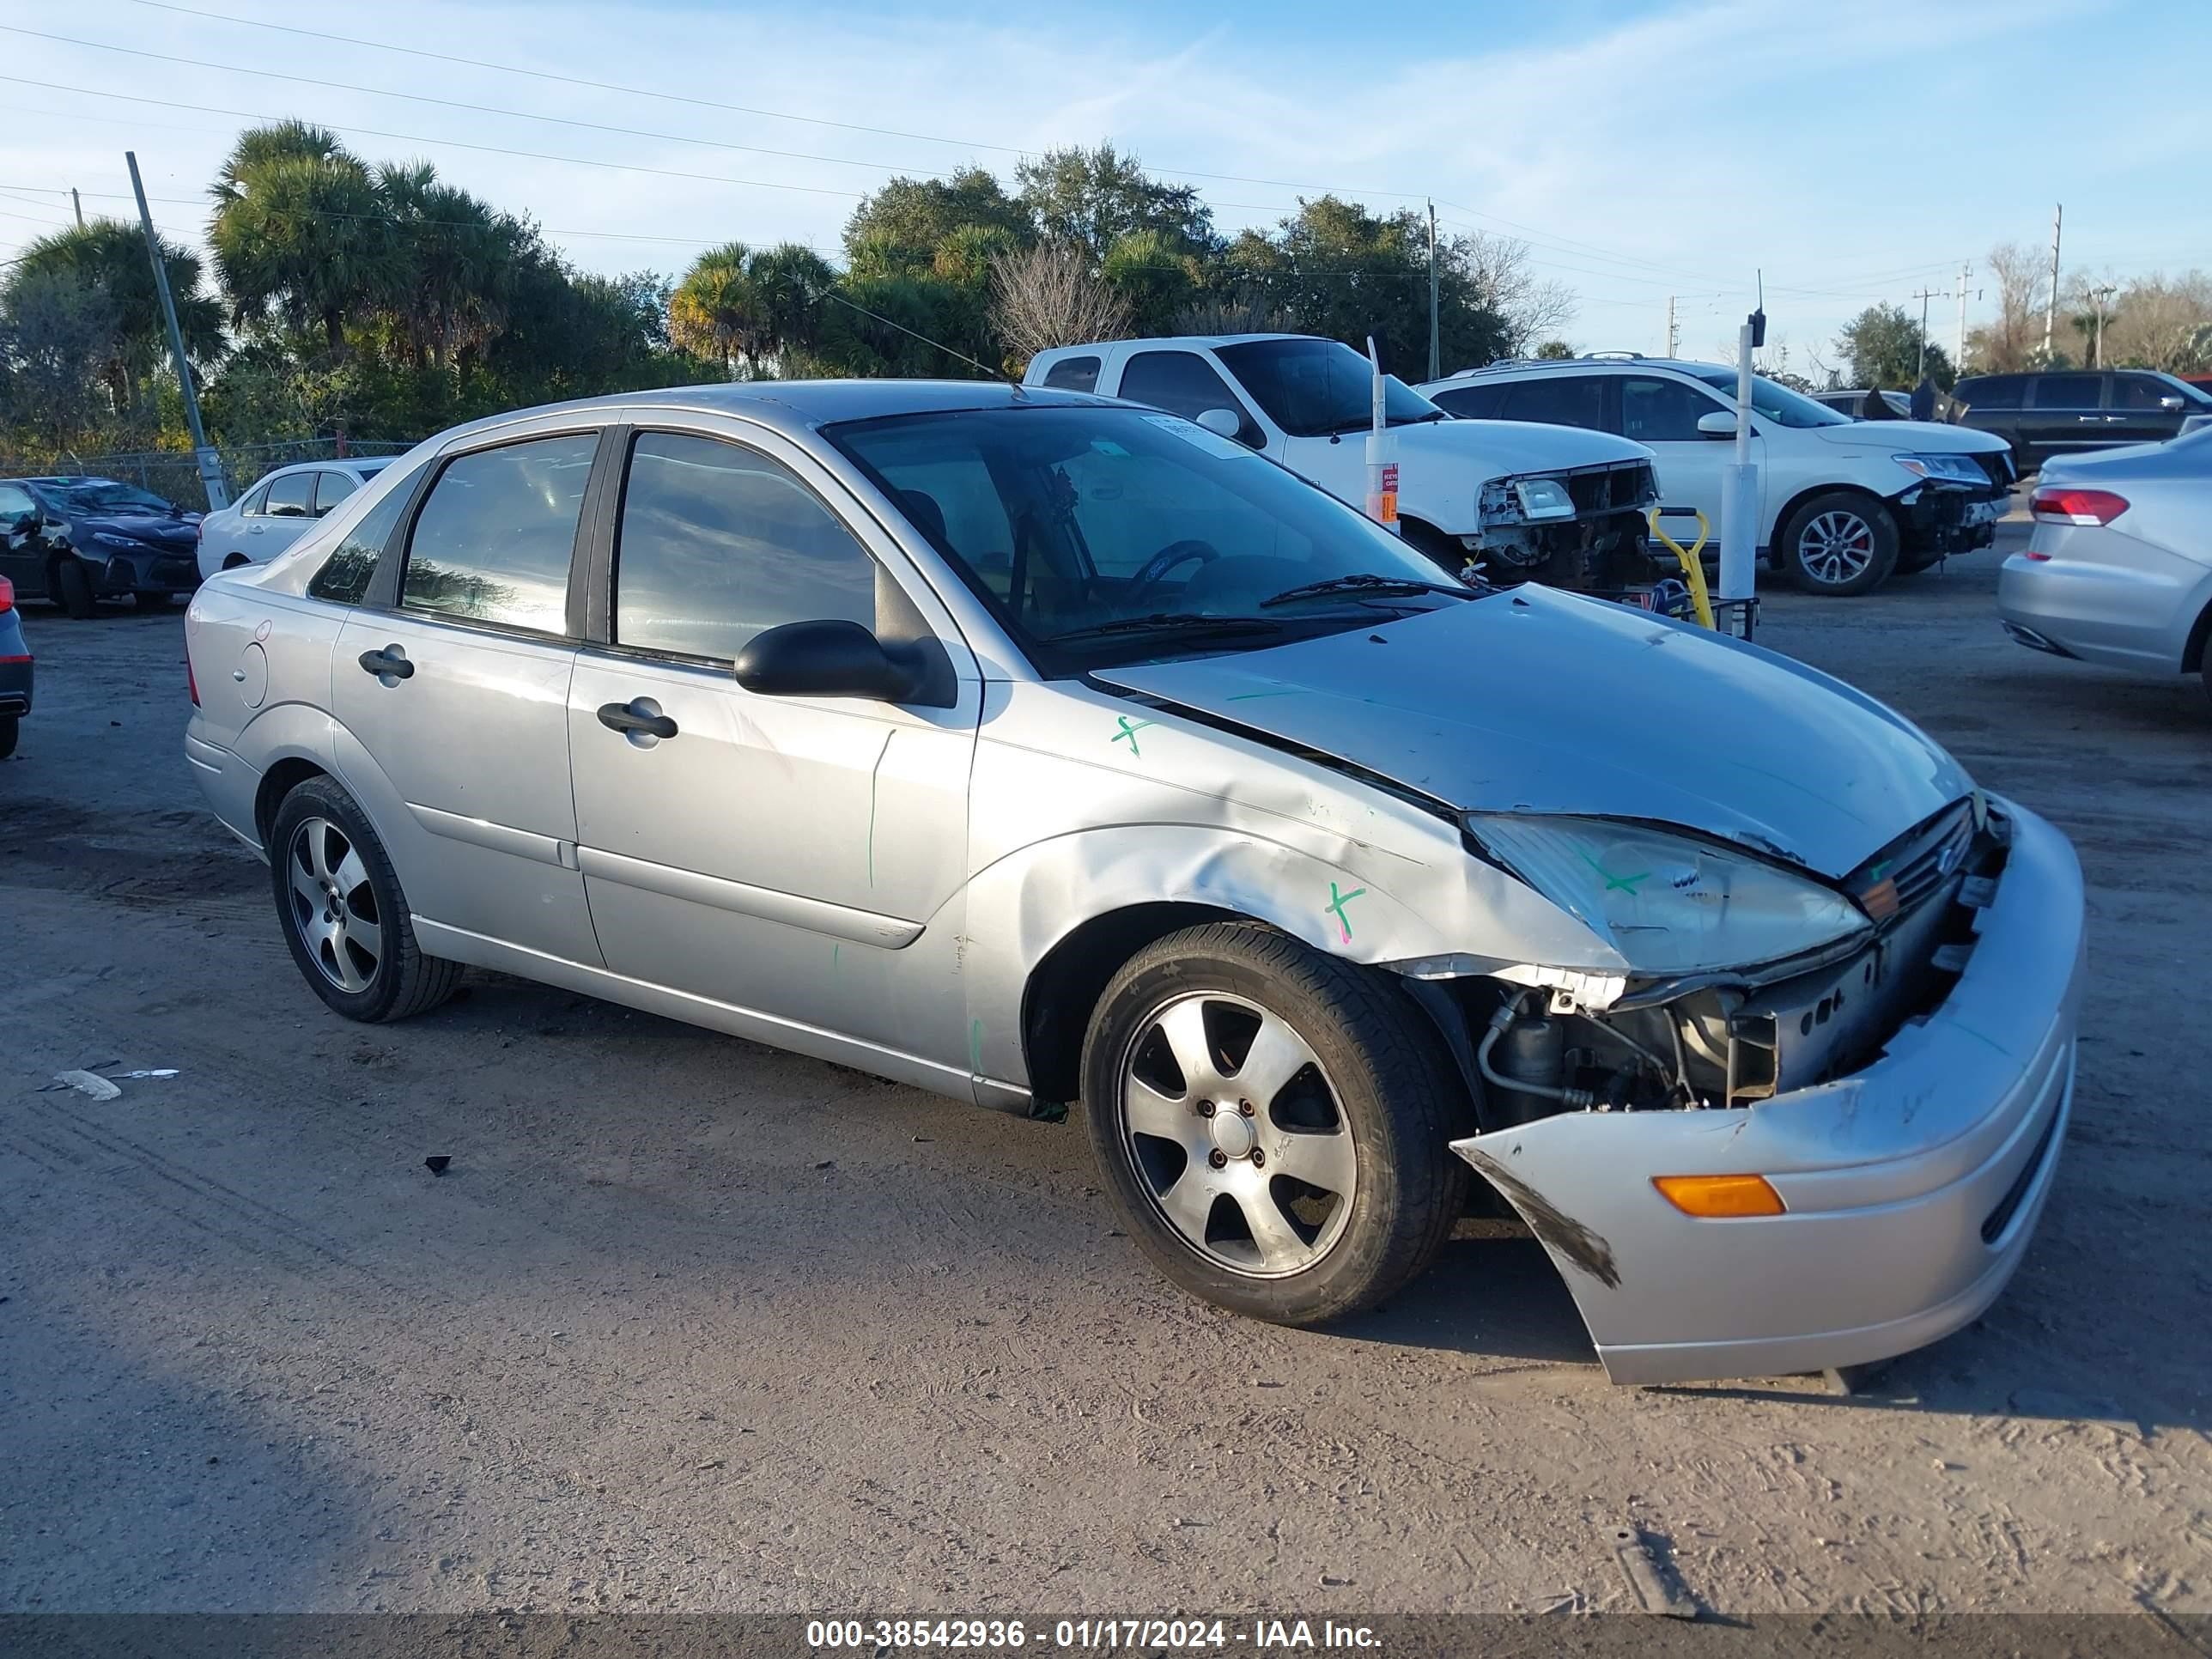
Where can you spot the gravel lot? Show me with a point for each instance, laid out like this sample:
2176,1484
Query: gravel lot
690,1324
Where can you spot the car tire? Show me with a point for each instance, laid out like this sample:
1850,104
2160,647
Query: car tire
1361,1104
72,590
10,726
1841,545
339,903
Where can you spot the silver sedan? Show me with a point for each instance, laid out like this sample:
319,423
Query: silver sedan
2118,569
1052,753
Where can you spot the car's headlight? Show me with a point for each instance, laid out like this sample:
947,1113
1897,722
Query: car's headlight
1951,469
1544,498
1668,904
109,539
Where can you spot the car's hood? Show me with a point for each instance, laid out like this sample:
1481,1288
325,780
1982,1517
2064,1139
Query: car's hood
154,531
1539,701
1504,448
1911,437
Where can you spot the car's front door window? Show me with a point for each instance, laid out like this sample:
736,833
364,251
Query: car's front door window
289,495
718,541
1183,383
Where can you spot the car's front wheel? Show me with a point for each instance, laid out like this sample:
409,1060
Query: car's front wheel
343,914
1272,1123
1841,545
72,589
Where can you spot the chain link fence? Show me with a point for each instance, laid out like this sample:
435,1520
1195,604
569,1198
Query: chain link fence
175,477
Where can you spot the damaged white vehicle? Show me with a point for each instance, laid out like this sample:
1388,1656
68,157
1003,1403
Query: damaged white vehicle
1046,752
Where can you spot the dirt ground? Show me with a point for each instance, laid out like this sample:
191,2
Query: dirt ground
690,1324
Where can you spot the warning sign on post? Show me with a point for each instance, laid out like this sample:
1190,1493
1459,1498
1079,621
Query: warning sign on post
1389,514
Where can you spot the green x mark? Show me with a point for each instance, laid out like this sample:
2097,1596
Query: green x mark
1335,906
1617,883
1130,732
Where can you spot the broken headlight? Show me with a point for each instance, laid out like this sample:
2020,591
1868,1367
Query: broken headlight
1544,498
1668,904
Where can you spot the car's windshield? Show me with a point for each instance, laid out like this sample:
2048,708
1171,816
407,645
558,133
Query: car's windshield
1773,400
102,496
1094,531
1313,387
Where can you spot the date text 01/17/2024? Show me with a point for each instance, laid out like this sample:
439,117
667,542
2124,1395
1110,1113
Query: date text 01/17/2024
880,1636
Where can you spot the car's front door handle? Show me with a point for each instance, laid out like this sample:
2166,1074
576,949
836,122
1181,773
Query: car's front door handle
627,717
389,664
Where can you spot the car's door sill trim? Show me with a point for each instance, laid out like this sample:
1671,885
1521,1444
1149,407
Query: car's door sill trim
459,945
498,837
815,915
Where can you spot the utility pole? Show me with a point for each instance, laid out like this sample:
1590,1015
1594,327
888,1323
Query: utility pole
1436,343
1672,334
2101,295
1959,362
1924,295
78,202
2050,310
211,462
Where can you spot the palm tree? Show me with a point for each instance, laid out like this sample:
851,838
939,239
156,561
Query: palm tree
455,269
300,234
109,257
716,310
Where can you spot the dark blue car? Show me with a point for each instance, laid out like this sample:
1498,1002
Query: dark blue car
77,541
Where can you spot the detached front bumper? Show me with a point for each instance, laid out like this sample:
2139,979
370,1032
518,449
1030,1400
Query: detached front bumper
1949,518
1911,1186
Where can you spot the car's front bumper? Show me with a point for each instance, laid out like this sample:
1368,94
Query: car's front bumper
1910,1187
2102,595
119,570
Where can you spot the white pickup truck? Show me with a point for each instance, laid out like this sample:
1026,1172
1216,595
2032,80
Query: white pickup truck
1556,504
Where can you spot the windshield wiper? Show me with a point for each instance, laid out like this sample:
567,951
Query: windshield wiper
1170,620
1368,582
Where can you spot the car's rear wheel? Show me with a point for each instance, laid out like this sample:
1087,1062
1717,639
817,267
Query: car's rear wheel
1840,544
343,914
1272,1123
72,589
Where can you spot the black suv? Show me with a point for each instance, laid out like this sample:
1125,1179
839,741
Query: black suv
2069,409
76,541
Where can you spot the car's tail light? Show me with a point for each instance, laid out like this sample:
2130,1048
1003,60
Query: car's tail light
7,594
2056,504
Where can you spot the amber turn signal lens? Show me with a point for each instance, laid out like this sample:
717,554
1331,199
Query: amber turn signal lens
1712,1197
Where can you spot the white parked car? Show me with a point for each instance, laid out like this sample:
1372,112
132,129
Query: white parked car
1552,504
270,517
1843,503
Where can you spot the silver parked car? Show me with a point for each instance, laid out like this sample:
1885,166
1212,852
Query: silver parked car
1041,749
2119,568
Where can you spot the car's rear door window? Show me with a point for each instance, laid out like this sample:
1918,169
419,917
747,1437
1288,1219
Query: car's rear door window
344,578
2065,390
288,496
717,542
1566,400
1472,403
331,488
1073,374
493,541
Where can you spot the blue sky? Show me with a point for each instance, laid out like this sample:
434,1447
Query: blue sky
1853,152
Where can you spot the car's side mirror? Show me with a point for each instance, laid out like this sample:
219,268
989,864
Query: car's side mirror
2169,402
830,660
1225,422
1721,424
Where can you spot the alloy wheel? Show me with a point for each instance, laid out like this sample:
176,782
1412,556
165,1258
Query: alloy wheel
1836,547
333,905
1236,1134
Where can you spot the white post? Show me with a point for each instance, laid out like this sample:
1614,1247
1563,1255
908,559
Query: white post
2050,310
1739,506
1958,358
1382,455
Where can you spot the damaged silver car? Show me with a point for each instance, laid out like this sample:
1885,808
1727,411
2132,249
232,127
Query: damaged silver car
1050,752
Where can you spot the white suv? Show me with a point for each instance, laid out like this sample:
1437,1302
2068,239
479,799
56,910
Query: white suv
1841,502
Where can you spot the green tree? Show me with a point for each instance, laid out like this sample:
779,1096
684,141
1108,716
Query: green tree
1883,344
108,256
453,268
1157,277
898,230
57,336
302,236
1095,198
737,303
1335,269
1554,349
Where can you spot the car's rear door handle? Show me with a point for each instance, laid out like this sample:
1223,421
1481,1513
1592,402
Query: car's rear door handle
627,717
389,664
